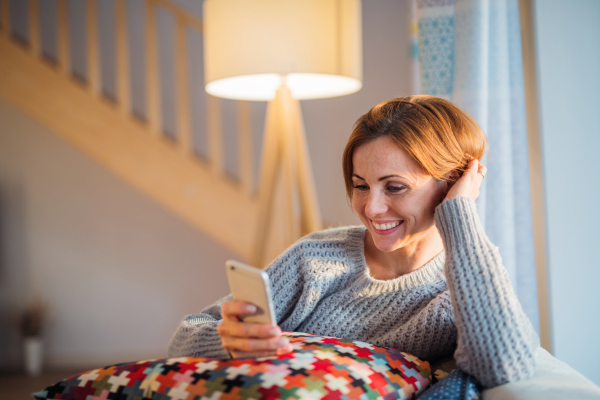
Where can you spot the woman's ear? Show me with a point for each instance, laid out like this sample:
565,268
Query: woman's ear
451,178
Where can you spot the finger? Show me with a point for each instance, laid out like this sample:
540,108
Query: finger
252,354
233,309
472,166
285,349
242,329
481,171
243,344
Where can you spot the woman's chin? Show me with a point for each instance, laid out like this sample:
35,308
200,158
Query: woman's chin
387,244
388,247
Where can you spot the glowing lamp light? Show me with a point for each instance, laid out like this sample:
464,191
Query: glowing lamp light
251,46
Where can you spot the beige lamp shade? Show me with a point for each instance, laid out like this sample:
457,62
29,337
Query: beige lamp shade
252,46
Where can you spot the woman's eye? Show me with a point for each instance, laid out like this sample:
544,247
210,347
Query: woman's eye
395,188
361,187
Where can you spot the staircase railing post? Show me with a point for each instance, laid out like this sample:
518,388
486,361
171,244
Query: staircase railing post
92,48
122,53
34,28
153,108
64,49
5,9
245,145
215,140
183,98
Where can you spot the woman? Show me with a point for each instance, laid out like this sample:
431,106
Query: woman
420,275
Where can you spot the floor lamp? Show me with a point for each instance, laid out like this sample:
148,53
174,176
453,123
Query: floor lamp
282,51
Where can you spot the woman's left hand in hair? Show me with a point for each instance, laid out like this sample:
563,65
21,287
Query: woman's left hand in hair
468,184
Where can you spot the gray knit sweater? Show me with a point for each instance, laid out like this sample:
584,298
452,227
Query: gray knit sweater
461,302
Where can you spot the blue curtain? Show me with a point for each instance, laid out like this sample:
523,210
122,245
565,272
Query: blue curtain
469,52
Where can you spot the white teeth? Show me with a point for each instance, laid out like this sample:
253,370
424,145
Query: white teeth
384,227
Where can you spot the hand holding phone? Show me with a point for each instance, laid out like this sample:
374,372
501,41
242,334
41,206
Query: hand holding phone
249,327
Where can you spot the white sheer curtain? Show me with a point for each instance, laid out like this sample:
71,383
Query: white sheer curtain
469,52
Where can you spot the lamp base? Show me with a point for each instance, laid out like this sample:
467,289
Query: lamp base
285,160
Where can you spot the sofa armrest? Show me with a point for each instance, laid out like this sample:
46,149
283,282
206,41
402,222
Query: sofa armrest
553,379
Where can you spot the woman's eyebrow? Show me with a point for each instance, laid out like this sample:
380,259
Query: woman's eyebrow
382,178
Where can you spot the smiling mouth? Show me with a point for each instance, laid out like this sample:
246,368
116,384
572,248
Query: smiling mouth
385,227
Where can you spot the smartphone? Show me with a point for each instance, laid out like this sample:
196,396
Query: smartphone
251,285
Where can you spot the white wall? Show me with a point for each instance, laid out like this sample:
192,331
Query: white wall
568,50
119,271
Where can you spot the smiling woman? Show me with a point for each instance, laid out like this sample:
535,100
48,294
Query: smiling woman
399,163
420,275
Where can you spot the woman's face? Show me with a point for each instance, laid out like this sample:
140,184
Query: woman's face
393,196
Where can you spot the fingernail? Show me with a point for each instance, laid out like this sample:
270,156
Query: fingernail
284,350
281,351
283,341
250,308
273,331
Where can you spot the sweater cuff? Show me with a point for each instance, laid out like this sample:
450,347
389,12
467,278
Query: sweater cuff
458,223
204,339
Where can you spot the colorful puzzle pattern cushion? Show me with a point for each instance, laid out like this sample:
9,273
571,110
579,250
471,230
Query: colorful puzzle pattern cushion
319,367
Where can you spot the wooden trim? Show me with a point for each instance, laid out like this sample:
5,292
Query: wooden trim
34,28
179,14
183,95
311,216
153,103
64,48
215,136
289,166
93,60
269,168
536,170
5,7
122,54
152,164
245,145
285,146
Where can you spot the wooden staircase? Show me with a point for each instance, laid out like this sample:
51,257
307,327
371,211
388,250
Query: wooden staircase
195,188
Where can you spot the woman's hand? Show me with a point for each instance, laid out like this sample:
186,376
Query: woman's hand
242,339
468,184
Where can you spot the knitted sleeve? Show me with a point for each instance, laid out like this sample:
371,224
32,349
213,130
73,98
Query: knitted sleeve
496,341
197,334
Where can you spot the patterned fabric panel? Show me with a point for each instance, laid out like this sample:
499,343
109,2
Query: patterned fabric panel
458,385
320,367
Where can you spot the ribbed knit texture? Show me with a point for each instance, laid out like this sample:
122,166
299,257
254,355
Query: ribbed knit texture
460,302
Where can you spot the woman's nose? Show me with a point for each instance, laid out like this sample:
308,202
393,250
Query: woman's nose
376,205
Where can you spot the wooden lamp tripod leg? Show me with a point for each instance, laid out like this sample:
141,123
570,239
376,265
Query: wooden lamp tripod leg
285,150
